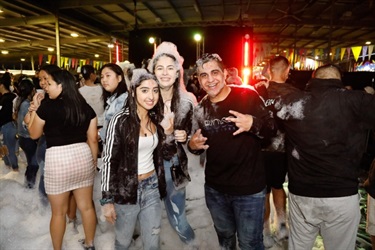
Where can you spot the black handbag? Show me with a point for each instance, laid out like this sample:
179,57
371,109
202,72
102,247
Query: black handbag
180,180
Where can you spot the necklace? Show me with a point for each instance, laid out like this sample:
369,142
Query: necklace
145,127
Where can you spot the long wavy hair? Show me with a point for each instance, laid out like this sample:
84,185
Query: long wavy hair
155,114
176,85
73,101
121,87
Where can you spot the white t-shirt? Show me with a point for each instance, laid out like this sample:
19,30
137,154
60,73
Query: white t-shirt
93,96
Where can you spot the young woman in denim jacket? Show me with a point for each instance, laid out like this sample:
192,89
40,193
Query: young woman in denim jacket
166,64
114,94
26,92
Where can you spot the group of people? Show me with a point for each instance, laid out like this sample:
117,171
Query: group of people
252,137
325,128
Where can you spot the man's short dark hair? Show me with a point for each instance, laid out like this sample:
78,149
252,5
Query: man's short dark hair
328,71
86,71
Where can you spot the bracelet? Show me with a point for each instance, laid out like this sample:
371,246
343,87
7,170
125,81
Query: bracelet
196,152
106,201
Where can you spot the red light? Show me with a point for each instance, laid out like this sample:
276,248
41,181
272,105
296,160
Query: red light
246,54
117,53
246,73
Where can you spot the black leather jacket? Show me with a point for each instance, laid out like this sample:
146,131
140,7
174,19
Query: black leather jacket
120,170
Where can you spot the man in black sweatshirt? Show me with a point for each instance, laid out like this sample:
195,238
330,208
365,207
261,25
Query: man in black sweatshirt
230,120
326,129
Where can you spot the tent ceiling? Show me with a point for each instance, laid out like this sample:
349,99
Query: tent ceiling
28,26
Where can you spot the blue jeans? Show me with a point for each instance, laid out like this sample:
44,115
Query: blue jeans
175,205
147,211
29,146
237,213
9,132
40,157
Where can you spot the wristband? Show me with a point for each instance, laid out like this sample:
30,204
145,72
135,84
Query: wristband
106,201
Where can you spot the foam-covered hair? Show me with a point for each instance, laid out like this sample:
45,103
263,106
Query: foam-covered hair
169,49
139,75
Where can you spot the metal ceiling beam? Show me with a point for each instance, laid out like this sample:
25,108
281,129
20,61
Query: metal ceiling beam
153,11
69,4
81,53
197,8
110,14
175,10
52,42
131,12
254,22
25,21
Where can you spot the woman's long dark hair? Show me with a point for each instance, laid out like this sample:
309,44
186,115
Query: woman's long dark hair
73,100
155,114
121,87
25,89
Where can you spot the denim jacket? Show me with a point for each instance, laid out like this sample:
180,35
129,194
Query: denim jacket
21,128
113,106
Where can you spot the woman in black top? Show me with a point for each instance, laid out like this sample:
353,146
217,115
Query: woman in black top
69,125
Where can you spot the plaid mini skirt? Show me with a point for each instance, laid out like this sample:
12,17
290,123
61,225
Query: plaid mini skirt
68,167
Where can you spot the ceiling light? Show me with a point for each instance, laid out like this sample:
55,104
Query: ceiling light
368,43
1,11
5,52
73,34
51,49
96,55
110,45
23,59
2,40
197,37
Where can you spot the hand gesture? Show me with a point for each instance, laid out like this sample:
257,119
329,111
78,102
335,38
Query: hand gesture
243,121
37,99
198,141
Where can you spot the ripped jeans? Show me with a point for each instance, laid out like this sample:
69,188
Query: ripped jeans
175,205
147,211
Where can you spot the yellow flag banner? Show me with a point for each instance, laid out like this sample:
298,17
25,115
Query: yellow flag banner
342,53
356,51
66,62
62,59
49,59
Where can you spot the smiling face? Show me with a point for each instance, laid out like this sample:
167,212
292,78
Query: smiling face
109,79
147,95
212,79
166,71
44,77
